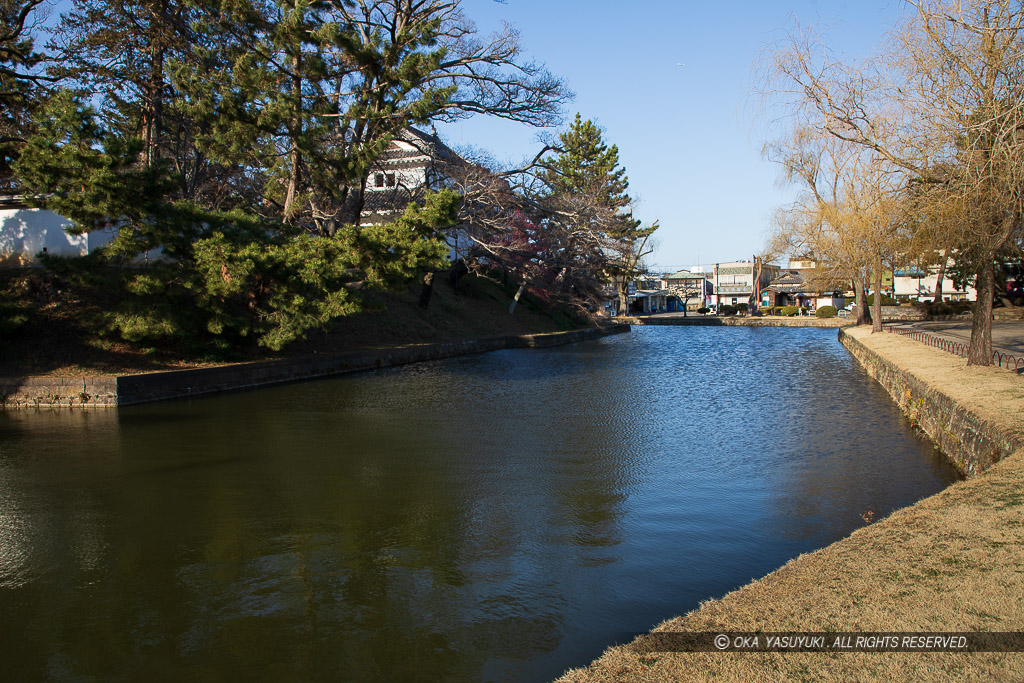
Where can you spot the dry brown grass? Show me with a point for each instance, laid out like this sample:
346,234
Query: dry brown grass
952,562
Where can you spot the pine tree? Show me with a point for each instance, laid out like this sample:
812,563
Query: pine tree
20,82
584,179
311,92
585,165
267,115
78,169
118,49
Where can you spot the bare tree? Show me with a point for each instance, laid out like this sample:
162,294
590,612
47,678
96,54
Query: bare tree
562,246
836,220
942,107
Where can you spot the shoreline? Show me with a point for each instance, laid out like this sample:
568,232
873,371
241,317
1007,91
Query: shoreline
736,321
948,563
970,439
111,391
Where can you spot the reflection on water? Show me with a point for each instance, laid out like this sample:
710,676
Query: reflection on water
500,516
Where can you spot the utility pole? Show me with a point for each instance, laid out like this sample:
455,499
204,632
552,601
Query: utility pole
755,289
718,292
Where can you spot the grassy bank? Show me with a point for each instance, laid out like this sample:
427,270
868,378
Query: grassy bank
953,562
48,328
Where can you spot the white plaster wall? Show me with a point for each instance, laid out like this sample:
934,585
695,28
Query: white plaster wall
459,244
409,178
25,232
838,301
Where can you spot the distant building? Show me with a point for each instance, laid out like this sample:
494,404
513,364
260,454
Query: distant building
734,281
919,284
801,264
796,287
647,302
788,289
691,288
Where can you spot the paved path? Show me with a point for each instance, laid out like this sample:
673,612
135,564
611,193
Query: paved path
1007,337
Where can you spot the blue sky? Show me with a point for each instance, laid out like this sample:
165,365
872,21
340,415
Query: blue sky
688,136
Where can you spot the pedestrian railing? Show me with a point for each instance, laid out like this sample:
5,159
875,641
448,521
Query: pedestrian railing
1003,360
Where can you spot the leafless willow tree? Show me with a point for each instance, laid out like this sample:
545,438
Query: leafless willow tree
835,221
941,109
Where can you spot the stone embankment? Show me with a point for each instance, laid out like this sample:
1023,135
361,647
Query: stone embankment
950,563
973,440
736,321
120,390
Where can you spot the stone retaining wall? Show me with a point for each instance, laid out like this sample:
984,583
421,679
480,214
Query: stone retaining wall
38,392
787,321
741,321
109,391
902,313
971,443
699,320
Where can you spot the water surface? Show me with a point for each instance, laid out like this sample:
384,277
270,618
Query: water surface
501,516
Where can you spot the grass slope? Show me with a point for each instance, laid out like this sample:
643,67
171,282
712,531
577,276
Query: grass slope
45,328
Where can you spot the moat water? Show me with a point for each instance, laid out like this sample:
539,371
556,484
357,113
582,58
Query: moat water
502,516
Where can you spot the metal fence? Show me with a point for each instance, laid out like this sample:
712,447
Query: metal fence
1003,360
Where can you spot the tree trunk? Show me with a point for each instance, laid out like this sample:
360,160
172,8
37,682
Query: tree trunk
623,291
294,160
153,98
863,314
754,302
294,131
456,273
352,207
515,300
153,108
876,303
980,350
938,282
427,290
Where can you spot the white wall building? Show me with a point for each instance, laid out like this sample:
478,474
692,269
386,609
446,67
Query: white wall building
919,284
734,281
412,165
